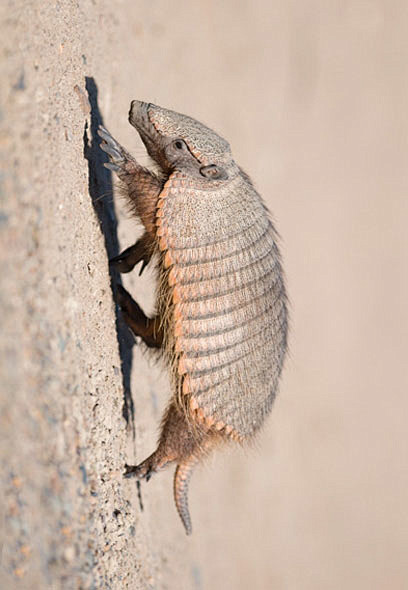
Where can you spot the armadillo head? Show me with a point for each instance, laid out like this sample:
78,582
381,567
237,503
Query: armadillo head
178,142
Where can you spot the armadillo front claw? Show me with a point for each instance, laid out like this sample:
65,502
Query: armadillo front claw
112,152
127,260
111,146
111,166
125,263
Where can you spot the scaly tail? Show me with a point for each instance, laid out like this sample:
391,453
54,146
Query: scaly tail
182,477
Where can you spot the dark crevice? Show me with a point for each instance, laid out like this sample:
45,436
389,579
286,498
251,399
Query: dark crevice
101,192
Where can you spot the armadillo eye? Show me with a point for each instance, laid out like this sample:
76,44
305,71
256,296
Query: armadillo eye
179,144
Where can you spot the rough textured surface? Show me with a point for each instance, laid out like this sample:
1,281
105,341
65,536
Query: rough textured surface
312,96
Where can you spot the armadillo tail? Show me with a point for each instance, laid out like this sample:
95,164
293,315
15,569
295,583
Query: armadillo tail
182,477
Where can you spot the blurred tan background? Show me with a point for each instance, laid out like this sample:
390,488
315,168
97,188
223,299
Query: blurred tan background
312,96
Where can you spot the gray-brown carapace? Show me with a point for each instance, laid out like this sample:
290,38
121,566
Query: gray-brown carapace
221,320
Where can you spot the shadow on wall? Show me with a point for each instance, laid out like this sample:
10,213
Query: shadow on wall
100,190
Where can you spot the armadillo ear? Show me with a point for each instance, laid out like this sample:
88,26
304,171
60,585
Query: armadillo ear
213,172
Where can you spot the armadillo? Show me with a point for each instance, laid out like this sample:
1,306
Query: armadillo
222,318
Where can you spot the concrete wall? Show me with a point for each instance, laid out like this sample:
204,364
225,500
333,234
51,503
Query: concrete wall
313,97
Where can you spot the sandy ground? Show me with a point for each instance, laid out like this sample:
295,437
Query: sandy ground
312,96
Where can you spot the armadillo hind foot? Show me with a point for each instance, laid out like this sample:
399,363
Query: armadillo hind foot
146,468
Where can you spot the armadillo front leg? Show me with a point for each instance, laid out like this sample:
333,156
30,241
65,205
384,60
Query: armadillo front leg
142,189
140,251
142,186
149,329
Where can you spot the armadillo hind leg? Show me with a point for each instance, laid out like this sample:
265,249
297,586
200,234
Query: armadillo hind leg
141,251
148,329
182,478
146,468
